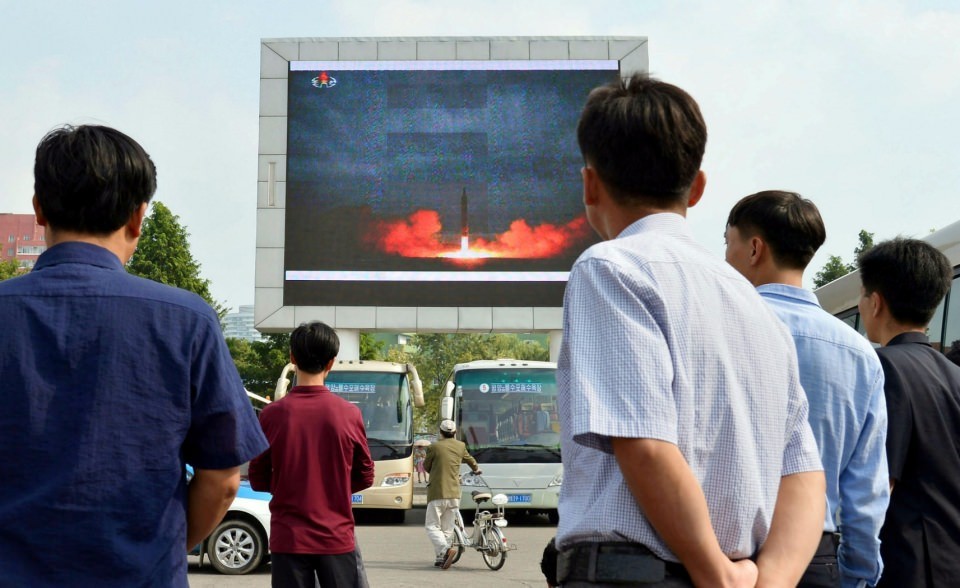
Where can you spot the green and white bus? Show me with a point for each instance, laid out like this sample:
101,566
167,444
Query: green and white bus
506,413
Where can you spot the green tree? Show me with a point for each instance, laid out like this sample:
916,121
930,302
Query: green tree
163,255
260,362
865,243
833,269
837,268
371,348
9,269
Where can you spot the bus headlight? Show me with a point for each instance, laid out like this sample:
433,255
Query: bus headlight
557,480
472,480
395,479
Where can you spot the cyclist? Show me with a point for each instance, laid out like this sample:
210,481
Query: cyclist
443,490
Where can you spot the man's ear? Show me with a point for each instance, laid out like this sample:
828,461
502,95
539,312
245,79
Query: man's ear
758,250
591,186
878,304
696,189
38,212
135,224
329,365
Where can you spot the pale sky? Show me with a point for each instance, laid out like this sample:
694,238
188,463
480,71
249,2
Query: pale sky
856,105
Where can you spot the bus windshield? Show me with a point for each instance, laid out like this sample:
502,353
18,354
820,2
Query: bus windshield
384,400
509,415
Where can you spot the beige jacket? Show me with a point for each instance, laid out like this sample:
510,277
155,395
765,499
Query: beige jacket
443,462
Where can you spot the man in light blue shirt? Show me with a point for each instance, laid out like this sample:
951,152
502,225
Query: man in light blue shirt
771,237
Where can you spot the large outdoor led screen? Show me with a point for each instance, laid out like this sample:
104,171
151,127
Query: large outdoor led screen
439,184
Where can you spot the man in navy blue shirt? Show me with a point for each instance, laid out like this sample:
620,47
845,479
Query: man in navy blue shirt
110,385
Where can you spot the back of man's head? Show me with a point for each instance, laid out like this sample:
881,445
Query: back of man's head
789,224
911,275
91,179
645,139
448,428
313,345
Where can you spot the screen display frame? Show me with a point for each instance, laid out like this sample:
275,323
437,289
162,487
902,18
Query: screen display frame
479,300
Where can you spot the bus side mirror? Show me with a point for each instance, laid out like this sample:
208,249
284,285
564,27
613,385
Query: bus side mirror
446,408
283,384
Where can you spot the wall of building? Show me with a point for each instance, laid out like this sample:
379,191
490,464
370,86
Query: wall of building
21,239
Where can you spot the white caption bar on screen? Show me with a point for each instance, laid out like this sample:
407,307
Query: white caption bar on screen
395,276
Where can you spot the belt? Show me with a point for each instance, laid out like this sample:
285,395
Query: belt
614,563
829,543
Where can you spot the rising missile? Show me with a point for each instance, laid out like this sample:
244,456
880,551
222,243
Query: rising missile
464,227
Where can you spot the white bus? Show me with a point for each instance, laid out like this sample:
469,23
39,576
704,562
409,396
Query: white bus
386,393
840,297
506,413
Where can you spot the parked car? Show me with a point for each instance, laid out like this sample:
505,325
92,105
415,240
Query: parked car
240,543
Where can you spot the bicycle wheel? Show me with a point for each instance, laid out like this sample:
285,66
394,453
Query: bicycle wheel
458,542
494,548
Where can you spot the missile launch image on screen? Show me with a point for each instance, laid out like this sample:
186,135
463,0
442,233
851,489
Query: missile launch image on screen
421,235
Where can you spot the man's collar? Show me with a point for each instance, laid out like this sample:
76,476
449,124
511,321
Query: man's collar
909,337
792,292
662,222
78,252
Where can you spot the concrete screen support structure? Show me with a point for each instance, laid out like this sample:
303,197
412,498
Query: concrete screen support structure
423,184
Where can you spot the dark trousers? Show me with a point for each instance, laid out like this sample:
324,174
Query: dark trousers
303,570
613,564
823,571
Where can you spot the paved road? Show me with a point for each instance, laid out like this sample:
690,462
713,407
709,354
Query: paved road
402,556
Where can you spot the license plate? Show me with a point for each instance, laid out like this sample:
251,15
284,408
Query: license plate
357,498
518,498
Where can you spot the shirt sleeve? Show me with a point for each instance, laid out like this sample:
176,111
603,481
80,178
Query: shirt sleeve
362,470
865,495
260,472
899,415
469,459
428,460
224,431
800,453
615,361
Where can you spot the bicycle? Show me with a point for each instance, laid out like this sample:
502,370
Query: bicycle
487,537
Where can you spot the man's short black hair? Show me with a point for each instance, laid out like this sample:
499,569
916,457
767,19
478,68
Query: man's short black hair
313,345
645,139
788,223
90,179
911,275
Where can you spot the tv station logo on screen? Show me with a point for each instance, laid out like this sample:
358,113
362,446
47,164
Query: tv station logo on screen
324,80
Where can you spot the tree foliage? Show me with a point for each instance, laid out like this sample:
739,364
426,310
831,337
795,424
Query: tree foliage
833,269
260,362
9,268
864,243
371,348
163,255
837,268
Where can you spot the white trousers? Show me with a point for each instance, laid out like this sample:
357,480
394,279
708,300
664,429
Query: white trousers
439,523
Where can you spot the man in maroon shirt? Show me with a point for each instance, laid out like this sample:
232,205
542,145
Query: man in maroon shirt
318,458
